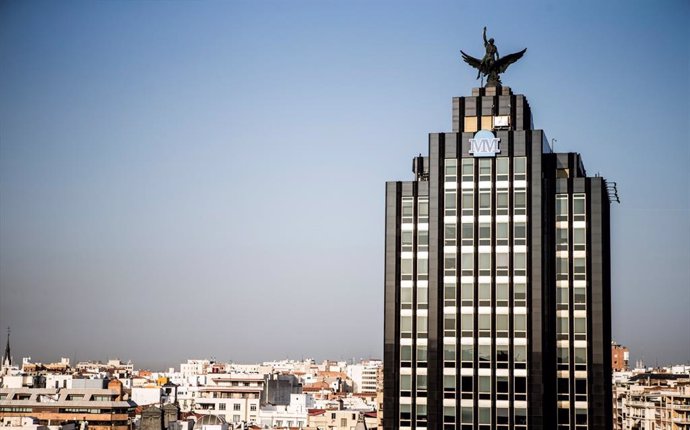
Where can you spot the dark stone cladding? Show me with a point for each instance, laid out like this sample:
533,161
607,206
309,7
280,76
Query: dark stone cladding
544,182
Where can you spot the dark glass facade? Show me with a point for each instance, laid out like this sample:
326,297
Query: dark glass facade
497,280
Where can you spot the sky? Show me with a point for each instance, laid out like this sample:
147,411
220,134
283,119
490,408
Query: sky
205,179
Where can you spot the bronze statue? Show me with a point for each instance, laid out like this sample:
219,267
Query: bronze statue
492,64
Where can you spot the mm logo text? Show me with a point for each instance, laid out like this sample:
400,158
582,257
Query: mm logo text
484,144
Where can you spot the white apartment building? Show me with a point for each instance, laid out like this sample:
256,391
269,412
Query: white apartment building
236,397
296,414
364,376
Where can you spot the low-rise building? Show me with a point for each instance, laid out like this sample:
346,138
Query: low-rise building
101,408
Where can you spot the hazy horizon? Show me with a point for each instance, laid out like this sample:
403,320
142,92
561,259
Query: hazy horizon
206,179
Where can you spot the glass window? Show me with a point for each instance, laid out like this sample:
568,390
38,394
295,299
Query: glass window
580,355
449,352
450,234
467,321
468,170
421,382
406,323
502,352
467,233
502,322
405,352
520,322
449,382
502,169
422,266
406,295
502,230
563,355
407,210
520,353
484,415
520,168
578,204
520,199
451,170
450,203
484,353
484,322
484,169
484,200
423,214
405,382
484,383
467,202
466,414
562,325
423,240
580,325
406,241
467,353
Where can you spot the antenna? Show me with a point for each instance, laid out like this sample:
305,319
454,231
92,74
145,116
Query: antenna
612,190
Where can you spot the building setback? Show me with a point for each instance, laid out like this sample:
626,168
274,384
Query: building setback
497,280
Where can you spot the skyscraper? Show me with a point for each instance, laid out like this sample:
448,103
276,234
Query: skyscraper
497,280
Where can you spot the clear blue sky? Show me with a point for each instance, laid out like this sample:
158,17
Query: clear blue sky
206,179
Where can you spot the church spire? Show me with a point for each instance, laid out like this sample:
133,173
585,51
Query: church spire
7,357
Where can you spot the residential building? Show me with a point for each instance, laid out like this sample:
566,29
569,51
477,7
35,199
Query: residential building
620,357
101,408
237,397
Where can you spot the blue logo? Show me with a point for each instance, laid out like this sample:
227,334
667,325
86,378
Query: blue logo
484,144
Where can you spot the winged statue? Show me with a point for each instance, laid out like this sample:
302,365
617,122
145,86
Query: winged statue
491,65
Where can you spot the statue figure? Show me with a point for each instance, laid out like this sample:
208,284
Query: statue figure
491,53
491,65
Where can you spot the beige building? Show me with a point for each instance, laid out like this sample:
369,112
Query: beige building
652,402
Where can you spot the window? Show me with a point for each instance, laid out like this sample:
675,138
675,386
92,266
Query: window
423,211
484,169
520,168
449,294
467,324
467,233
236,407
580,325
467,294
502,169
467,353
451,203
502,234
422,326
421,355
467,202
235,418
221,406
451,170
450,234
343,422
449,414
405,383
449,352
423,240
484,294
520,231
467,170
407,210
520,291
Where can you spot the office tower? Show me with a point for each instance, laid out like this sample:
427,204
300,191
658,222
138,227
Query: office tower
497,280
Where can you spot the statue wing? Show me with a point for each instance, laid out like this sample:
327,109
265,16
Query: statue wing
503,62
474,62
